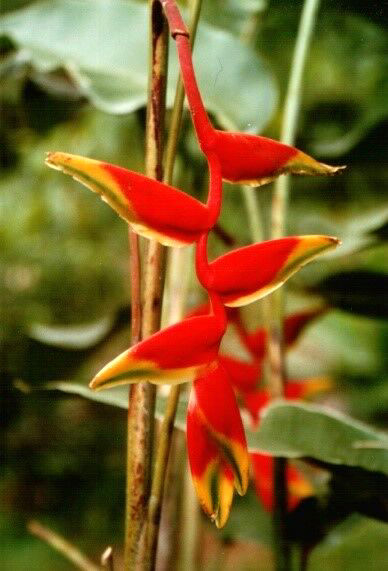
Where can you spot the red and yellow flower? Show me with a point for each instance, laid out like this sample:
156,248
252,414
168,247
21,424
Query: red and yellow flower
216,444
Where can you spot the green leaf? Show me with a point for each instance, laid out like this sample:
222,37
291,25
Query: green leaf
248,520
117,396
302,430
356,544
103,46
80,336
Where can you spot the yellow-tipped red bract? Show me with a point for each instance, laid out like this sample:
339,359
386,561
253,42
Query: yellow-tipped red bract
173,355
219,460
253,160
153,209
299,487
247,274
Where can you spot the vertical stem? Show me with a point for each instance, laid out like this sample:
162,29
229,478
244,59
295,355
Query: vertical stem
279,214
254,215
291,109
167,426
191,521
142,396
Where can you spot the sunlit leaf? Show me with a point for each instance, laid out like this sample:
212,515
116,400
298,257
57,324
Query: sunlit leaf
80,336
302,430
355,544
103,46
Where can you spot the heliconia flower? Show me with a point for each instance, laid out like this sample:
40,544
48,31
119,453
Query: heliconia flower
294,325
217,450
244,159
254,161
247,274
298,485
174,355
153,209
243,376
255,400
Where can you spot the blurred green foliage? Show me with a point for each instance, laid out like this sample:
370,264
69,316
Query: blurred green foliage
74,78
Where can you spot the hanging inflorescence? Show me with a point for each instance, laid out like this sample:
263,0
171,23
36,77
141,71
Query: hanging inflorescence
189,350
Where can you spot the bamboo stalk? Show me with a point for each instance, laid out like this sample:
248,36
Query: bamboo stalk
61,545
167,425
278,223
142,396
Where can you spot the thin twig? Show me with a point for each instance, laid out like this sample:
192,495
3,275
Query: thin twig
167,425
107,559
61,545
142,396
278,223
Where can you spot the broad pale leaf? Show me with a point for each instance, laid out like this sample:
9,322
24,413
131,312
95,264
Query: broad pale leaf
303,430
103,46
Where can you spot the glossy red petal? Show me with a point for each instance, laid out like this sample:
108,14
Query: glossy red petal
298,486
253,160
153,209
295,323
204,458
256,343
173,355
295,390
247,274
254,401
213,478
243,376
217,404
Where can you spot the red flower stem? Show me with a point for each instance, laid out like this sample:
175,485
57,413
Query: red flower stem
142,396
214,199
179,32
202,267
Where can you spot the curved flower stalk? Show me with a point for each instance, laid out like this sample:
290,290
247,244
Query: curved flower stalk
250,273
176,354
244,159
152,209
216,444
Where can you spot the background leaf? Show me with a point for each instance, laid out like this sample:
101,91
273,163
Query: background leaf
302,430
102,45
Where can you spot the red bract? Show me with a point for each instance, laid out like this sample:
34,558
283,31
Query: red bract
173,355
255,400
216,444
243,376
294,325
153,209
247,159
247,274
254,160
298,486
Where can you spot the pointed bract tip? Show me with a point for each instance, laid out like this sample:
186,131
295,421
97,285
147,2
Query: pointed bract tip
122,370
301,163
